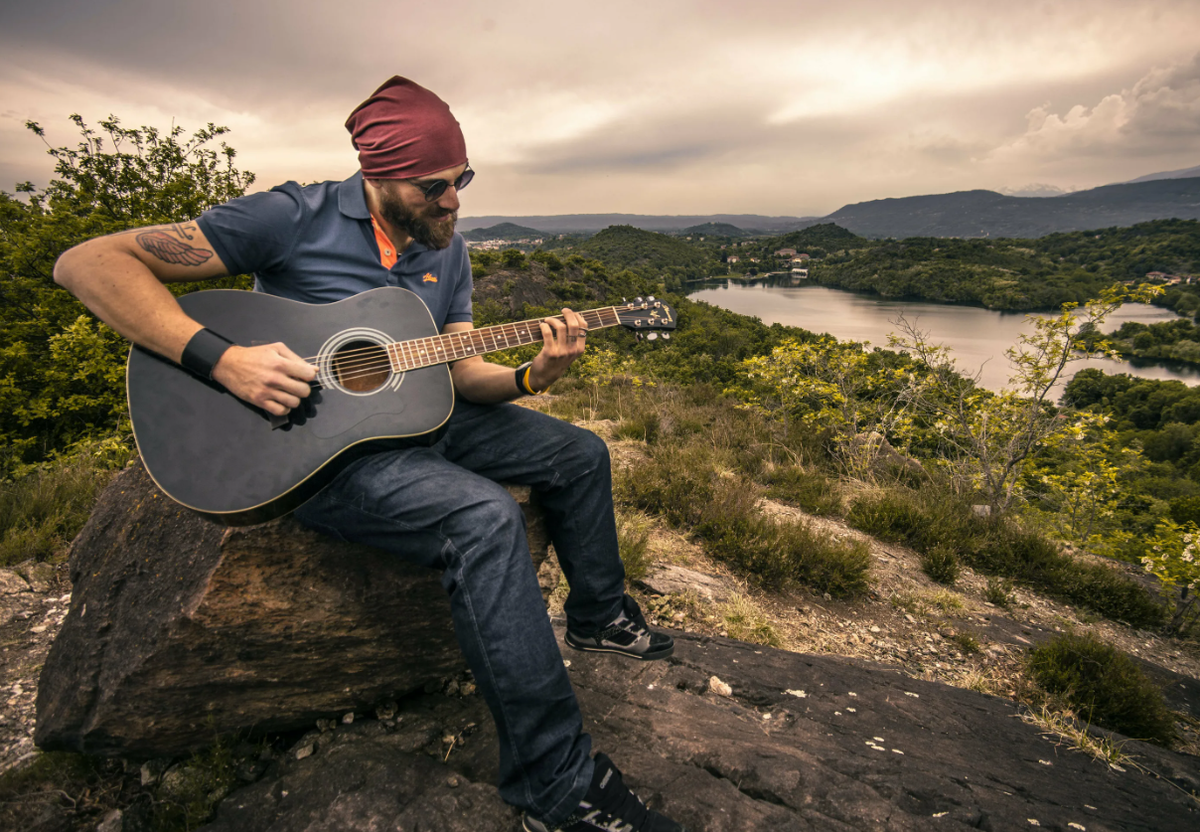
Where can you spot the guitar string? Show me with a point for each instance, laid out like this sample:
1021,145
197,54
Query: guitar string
597,316
364,367
367,361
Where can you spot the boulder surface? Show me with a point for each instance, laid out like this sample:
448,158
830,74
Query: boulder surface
180,630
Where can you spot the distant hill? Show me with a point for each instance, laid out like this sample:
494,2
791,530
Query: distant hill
824,237
715,229
1185,173
628,247
591,223
503,231
989,214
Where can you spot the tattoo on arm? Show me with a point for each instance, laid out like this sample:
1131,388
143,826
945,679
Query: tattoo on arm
181,231
170,250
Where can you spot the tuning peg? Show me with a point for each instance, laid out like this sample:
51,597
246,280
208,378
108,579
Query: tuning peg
652,336
666,336
638,335
637,300
650,298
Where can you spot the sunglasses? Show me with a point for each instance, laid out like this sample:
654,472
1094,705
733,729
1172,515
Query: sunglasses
437,187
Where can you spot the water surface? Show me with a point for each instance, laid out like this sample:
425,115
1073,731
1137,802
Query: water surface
978,337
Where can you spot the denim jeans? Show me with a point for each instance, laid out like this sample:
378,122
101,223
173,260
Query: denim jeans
440,506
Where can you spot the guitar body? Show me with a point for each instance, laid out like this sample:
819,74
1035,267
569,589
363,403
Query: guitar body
232,462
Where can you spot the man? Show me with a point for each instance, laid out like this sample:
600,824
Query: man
434,502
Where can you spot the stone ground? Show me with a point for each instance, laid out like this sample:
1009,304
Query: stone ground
907,623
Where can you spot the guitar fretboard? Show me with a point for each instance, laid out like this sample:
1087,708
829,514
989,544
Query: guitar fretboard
441,349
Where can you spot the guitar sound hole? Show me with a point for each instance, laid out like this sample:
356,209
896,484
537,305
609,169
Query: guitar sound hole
361,366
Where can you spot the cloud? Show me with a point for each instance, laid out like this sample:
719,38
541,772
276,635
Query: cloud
1159,115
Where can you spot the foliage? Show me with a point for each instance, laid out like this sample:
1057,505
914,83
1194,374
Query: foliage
807,487
624,246
1002,548
834,388
61,373
633,538
1172,555
999,592
940,563
41,511
988,439
1104,685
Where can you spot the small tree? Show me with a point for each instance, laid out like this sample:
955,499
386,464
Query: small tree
1173,556
831,386
988,438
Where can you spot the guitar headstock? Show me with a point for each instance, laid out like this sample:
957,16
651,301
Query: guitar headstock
647,317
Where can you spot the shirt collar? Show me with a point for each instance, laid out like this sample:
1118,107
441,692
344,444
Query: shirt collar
351,200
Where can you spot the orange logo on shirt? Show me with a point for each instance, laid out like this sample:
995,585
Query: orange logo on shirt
429,277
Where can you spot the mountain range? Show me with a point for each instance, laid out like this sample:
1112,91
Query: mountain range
978,213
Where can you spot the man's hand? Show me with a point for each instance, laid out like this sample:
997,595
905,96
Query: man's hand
271,377
562,343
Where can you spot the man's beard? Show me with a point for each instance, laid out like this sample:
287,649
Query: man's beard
421,229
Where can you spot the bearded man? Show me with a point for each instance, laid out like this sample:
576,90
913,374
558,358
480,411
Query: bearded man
436,501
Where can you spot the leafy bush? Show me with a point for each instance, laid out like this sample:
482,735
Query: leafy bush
692,486
809,489
998,592
1104,685
941,564
924,520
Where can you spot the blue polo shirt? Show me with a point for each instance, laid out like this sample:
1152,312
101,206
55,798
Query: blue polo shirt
315,244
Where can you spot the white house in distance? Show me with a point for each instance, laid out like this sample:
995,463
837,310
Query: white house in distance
786,252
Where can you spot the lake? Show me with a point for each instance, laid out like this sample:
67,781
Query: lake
978,337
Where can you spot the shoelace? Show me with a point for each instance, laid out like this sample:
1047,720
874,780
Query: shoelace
628,814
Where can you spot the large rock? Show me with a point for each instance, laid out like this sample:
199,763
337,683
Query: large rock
180,629
801,742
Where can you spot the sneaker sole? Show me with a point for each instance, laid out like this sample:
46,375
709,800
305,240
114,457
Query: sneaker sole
649,656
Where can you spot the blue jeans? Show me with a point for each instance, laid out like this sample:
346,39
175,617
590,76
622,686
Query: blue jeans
440,506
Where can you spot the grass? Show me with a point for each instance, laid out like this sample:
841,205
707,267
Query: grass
925,520
744,621
41,511
999,592
692,486
1065,727
939,602
1104,686
633,539
63,790
807,488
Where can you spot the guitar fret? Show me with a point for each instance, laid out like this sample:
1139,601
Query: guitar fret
454,346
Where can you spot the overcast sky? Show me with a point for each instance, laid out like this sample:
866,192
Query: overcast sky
655,106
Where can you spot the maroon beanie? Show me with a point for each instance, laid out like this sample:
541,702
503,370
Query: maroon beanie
404,131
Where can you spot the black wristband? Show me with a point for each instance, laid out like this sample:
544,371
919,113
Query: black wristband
203,352
523,380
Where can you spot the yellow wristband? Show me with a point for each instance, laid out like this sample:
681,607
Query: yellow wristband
523,380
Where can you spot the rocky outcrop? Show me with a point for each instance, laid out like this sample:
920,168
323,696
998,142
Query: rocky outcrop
800,743
180,630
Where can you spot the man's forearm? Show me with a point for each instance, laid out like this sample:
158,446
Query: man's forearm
482,382
124,293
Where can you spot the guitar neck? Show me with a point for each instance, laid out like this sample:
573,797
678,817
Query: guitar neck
442,349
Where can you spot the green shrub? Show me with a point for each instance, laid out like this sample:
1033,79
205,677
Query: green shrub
809,489
1104,686
941,564
924,520
966,642
998,592
693,487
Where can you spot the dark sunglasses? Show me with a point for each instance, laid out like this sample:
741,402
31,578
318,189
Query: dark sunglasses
437,187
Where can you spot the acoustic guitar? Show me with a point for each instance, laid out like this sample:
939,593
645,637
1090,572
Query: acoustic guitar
382,376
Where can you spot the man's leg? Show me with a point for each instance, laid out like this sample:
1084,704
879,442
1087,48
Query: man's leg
432,512
569,469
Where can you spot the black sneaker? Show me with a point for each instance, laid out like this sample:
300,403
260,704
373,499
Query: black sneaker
608,807
628,635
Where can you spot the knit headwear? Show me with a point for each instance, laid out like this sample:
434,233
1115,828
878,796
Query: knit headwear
403,131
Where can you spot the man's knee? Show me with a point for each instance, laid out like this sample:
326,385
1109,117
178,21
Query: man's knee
589,453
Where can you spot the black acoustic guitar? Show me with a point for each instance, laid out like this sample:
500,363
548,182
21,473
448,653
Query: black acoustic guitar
382,375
